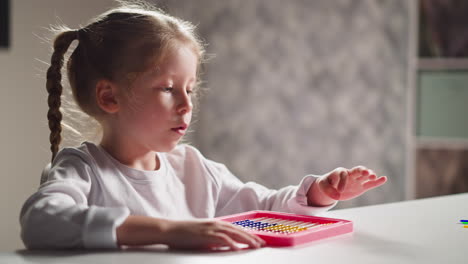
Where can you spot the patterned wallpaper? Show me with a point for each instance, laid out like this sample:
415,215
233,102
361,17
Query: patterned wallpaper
302,87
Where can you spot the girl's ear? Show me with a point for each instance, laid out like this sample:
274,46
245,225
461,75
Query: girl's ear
106,96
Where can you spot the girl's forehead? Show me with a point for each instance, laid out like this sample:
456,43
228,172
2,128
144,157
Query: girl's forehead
163,72
181,62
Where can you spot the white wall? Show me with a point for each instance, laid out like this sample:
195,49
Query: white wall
24,134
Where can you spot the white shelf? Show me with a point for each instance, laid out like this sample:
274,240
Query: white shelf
443,64
441,143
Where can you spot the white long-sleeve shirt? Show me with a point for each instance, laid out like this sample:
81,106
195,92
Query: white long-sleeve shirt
88,194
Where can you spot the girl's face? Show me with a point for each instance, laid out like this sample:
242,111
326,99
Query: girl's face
157,110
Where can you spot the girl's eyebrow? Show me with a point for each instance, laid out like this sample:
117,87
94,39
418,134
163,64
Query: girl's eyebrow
167,80
176,77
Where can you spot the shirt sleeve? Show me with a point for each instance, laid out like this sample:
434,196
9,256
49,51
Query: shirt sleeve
58,214
234,196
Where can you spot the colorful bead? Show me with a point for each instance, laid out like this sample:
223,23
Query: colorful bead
280,226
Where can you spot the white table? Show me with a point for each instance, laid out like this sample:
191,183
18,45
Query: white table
419,231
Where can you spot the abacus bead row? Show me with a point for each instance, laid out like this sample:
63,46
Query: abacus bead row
253,224
276,225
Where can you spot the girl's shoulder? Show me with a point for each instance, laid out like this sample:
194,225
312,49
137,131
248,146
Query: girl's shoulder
70,163
86,156
83,153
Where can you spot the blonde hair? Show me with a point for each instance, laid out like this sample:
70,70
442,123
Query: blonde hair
116,46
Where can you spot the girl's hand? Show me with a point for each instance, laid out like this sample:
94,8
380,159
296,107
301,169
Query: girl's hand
208,234
342,184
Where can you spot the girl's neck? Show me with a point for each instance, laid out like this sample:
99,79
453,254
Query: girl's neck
130,155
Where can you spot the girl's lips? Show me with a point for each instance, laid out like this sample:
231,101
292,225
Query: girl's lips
180,130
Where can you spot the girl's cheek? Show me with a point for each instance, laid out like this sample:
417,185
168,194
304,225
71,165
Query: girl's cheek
165,103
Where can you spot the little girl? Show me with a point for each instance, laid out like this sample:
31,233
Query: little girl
135,70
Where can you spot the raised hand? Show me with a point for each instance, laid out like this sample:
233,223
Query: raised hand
343,184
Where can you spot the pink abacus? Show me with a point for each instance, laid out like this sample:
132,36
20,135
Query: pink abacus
284,229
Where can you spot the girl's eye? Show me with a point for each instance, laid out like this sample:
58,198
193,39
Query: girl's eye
167,89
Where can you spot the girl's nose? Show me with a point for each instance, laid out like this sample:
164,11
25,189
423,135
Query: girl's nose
185,104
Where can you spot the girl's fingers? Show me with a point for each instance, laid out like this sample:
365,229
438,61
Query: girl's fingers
366,175
225,240
334,178
374,183
372,175
358,171
336,183
256,238
362,178
242,236
343,180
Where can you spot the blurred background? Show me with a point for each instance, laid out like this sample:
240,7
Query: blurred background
294,87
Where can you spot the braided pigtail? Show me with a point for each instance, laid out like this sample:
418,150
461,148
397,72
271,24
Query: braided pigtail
54,87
